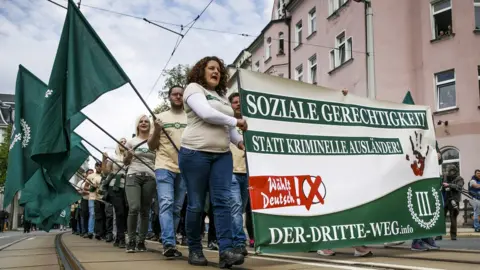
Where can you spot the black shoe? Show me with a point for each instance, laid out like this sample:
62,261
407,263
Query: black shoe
149,235
453,237
197,258
98,237
241,250
109,238
184,241
90,235
171,252
438,238
228,258
121,243
130,247
141,247
115,243
154,238
212,245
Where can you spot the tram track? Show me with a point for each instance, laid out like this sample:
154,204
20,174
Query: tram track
67,259
69,252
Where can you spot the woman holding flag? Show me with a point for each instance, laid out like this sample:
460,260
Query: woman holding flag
140,183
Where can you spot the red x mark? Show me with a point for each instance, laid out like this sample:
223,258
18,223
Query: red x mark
314,185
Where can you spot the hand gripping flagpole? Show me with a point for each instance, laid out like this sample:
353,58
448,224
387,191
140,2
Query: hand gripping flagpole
113,138
151,113
100,151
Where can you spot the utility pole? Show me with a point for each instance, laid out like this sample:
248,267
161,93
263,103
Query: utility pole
371,85
372,93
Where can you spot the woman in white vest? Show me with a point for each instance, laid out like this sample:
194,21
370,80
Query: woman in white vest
205,159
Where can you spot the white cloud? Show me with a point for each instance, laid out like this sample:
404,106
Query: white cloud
30,31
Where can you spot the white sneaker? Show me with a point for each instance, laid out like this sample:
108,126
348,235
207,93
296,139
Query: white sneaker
362,251
326,252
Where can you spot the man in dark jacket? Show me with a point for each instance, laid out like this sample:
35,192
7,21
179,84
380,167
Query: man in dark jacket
453,186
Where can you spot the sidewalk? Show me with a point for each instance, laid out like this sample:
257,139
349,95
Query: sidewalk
463,232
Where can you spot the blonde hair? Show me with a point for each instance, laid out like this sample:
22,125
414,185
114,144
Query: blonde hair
120,151
137,122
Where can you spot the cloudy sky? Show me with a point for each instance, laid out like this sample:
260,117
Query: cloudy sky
30,32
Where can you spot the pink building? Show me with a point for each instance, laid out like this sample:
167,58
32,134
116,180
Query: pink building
428,47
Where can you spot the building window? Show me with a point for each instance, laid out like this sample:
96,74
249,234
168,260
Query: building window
450,155
446,93
281,43
257,66
476,4
441,18
299,73
478,77
334,5
312,21
342,52
312,69
268,48
298,33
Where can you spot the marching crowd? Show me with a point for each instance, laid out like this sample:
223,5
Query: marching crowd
184,166
187,164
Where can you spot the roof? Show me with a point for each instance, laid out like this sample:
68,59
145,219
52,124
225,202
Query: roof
7,98
252,45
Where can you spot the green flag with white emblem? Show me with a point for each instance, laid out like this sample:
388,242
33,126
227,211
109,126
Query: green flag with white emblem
29,101
83,70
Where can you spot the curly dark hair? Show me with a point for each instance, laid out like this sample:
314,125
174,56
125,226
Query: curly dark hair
197,74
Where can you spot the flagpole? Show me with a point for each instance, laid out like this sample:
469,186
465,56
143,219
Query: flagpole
84,178
113,138
98,151
151,112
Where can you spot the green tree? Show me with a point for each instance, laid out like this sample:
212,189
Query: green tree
4,148
174,76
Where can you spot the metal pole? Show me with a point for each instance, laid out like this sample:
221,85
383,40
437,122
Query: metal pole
370,48
113,138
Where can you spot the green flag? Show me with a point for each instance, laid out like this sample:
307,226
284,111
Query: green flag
26,123
83,70
63,218
408,99
44,196
42,201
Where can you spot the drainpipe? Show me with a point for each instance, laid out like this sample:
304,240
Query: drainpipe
371,91
289,20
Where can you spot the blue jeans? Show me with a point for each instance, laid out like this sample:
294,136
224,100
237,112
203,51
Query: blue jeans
150,222
91,216
79,227
476,211
171,194
212,171
239,202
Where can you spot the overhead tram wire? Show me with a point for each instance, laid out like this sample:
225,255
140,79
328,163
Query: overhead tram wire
210,29
179,41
